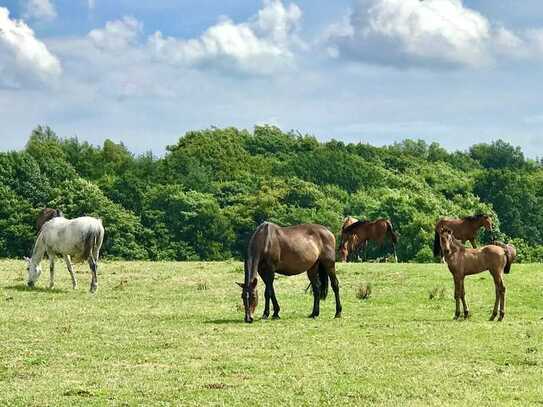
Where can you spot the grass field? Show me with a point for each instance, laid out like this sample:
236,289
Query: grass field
172,334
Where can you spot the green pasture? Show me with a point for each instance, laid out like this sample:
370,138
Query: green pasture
172,334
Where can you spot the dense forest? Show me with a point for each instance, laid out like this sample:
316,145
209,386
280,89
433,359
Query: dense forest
205,196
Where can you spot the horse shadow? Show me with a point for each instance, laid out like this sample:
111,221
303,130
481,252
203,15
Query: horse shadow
229,321
41,290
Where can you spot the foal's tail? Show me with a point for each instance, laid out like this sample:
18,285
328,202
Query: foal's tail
437,245
508,260
324,282
391,233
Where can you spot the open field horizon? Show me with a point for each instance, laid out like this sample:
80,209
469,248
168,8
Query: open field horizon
172,333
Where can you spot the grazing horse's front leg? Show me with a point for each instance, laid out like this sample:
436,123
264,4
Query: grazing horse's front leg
268,278
51,270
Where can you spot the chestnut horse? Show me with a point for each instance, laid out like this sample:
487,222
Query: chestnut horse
463,262
464,229
289,251
356,236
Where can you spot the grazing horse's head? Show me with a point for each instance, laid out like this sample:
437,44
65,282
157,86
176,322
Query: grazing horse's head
249,295
34,272
445,239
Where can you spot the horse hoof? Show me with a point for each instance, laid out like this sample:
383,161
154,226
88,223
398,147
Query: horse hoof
265,316
276,317
500,318
313,316
467,315
338,315
492,317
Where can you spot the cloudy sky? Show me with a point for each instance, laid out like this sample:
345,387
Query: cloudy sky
377,71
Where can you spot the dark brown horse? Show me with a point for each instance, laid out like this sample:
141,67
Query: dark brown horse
464,229
463,262
289,251
46,215
357,235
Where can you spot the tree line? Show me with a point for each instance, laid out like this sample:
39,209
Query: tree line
205,196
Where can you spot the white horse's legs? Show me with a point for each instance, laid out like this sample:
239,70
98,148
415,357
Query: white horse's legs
51,271
69,265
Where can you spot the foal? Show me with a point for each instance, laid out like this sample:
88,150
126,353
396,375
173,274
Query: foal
463,262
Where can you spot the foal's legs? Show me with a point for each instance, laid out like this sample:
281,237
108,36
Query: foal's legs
51,270
94,269
500,296
457,295
70,267
463,298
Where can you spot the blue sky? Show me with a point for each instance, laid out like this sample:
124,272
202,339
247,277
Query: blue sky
377,71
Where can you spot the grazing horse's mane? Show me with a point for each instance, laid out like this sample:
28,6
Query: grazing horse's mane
473,218
351,227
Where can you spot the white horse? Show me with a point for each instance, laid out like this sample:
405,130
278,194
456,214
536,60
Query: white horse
80,239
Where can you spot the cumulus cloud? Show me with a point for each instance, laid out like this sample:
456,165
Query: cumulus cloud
261,45
22,55
40,10
443,33
117,35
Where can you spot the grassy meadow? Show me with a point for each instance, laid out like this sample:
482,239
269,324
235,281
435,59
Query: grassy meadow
172,334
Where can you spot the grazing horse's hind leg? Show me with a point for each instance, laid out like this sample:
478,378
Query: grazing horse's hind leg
70,267
94,269
331,270
313,274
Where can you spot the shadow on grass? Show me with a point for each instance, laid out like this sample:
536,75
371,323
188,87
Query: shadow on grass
25,288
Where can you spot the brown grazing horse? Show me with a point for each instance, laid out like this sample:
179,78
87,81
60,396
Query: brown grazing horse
289,251
356,236
463,262
46,215
464,229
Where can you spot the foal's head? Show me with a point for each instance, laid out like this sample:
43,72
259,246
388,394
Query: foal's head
446,240
249,295
33,271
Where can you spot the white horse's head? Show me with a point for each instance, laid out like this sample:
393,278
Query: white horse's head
34,271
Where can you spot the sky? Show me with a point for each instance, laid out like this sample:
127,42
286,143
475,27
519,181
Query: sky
376,71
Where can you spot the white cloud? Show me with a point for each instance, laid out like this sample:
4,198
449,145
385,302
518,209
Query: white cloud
117,35
262,45
436,33
40,10
22,55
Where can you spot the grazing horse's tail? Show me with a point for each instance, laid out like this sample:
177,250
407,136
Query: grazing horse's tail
324,282
391,233
437,245
93,241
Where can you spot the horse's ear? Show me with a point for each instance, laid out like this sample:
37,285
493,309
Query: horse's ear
241,285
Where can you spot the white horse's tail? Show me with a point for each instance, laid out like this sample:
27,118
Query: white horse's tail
93,243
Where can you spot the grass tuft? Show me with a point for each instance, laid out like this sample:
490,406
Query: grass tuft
436,293
363,291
